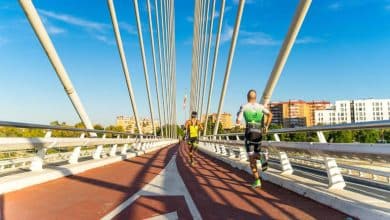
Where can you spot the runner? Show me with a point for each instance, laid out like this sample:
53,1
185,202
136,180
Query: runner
193,126
256,127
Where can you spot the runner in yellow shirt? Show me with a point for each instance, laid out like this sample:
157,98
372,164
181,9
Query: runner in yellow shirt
193,127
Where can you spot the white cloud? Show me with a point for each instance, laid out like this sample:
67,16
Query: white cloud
257,38
227,33
128,28
216,14
51,29
248,38
308,40
97,30
69,19
335,6
190,19
228,8
261,38
105,39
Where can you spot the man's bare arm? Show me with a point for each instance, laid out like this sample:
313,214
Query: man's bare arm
269,119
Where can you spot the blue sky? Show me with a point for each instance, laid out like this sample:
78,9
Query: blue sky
342,52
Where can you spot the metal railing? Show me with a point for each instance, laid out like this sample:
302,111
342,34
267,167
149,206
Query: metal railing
364,160
33,152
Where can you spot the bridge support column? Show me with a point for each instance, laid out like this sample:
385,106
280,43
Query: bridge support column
37,162
222,149
137,145
321,137
285,164
336,180
114,148
228,150
98,152
74,157
243,155
124,149
277,138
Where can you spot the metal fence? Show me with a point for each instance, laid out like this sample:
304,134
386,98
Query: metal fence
363,160
32,153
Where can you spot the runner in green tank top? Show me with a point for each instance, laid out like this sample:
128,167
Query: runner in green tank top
257,119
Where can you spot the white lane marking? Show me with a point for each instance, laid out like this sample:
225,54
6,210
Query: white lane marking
168,216
168,182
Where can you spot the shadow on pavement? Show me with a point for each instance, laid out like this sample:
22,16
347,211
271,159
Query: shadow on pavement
222,192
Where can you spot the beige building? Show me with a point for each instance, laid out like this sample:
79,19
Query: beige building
128,124
226,119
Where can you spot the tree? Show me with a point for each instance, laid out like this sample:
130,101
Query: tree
98,127
367,136
340,137
180,132
386,135
210,128
113,128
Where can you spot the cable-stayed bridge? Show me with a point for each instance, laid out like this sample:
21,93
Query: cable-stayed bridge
103,174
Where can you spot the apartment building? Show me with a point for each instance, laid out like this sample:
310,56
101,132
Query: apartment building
226,119
296,113
129,125
351,111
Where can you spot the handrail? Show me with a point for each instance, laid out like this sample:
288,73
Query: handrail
50,127
339,127
314,147
19,143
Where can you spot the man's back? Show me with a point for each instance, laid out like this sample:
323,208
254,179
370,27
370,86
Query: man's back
252,112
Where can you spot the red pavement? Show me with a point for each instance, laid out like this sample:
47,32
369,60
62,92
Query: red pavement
89,195
218,190
222,192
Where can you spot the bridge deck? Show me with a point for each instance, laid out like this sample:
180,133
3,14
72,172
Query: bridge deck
150,185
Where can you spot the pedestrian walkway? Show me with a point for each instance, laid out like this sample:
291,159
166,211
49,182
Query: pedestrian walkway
160,184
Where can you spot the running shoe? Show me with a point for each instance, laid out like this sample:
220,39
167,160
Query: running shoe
256,184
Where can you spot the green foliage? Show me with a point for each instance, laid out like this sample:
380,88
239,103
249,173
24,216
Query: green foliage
340,136
367,136
180,132
113,128
386,135
210,128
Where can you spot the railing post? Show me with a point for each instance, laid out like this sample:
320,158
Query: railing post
221,147
99,149
321,137
336,180
285,164
243,155
113,148
74,158
215,145
38,160
277,138
125,146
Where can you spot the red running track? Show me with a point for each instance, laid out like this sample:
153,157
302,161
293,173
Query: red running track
218,191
